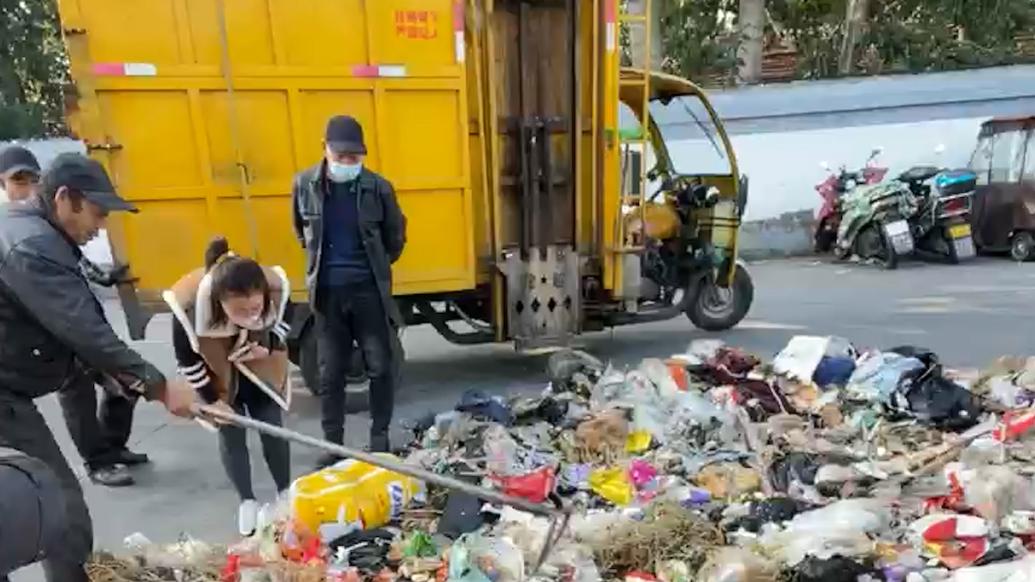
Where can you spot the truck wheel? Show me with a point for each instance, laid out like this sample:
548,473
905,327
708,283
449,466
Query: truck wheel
356,390
1022,246
714,308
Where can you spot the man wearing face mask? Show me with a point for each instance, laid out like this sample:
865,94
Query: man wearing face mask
350,224
50,329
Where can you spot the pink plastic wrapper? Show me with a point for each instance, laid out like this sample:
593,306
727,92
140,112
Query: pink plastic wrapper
641,473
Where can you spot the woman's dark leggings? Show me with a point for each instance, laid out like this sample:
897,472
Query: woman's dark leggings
233,442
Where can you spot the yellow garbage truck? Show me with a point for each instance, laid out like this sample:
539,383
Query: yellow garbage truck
551,186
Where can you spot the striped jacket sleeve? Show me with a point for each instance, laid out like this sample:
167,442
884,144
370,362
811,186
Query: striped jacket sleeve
192,366
278,335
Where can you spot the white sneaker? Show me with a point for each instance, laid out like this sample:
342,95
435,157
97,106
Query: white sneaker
247,516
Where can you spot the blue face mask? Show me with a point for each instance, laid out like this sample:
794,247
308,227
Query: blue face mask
343,172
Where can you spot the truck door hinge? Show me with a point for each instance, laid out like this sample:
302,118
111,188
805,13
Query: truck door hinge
107,146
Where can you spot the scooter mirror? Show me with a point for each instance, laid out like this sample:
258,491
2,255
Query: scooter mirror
876,152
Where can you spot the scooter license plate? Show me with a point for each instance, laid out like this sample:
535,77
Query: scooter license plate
964,247
900,237
958,231
899,227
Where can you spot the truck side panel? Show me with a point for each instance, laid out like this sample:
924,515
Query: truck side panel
200,160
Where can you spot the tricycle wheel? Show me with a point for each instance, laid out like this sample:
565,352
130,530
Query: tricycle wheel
356,391
1022,246
872,244
715,308
823,240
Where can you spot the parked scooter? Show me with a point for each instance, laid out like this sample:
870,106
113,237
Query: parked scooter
832,189
874,223
941,225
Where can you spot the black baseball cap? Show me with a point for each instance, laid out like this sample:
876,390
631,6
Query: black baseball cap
345,135
14,159
82,174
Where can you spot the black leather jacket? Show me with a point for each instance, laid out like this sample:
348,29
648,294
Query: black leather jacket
50,321
382,225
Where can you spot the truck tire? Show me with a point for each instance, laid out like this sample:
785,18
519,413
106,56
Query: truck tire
356,390
713,308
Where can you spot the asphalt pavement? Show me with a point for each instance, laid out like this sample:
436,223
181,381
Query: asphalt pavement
969,314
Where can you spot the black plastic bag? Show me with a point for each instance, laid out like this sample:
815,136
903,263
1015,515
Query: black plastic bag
835,569
932,398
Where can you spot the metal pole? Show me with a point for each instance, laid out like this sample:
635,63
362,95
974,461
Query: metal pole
382,462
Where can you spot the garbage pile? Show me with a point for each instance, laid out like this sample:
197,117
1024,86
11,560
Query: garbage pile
829,463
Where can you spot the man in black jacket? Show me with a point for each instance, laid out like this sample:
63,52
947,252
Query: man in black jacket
350,224
50,328
100,436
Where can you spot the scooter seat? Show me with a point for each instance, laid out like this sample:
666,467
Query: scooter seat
918,174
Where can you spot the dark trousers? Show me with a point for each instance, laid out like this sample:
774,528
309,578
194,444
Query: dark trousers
344,315
22,427
233,443
99,435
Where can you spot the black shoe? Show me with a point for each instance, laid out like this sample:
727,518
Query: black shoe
112,476
328,459
131,459
379,444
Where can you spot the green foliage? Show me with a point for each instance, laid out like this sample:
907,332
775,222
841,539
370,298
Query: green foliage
699,36
697,39
921,35
33,69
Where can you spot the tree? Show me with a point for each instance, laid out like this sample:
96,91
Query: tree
751,19
855,26
33,69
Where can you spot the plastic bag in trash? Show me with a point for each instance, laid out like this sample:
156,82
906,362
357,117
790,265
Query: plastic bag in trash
481,405
792,546
799,467
833,569
834,371
535,486
877,376
803,354
612,484
940,402
772,510
996,491
661,376
733,564
564,365
474,558
863,514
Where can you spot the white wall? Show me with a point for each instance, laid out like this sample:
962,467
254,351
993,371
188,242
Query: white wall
783,167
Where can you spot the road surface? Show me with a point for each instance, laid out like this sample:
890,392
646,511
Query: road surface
968,314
